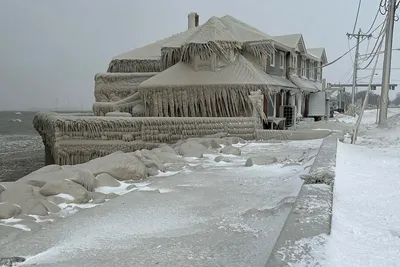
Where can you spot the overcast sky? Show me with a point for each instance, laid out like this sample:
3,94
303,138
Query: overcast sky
51,49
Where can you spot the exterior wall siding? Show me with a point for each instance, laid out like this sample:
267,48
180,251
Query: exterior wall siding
276,70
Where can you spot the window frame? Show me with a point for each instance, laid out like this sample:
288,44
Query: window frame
272,59
303,67
311,69
294,64
282,60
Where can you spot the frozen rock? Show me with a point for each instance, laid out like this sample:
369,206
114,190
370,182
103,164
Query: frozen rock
48,168
260,161
123,166
2,188
167,149
50,206
22,194
235,140
152,171
192,149
85,179
51,174
224,142
58,200
97,197
210,143
11,261
231,150
8,210
78,192
166,157
222,158
150,159
36,183
104,179
214,144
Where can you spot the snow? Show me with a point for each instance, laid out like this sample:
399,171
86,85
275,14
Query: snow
17,226
65,196
366,212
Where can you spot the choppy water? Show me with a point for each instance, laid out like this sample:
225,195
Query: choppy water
21,148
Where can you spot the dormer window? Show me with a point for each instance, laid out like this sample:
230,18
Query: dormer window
272,59
303,68
282,60
311,69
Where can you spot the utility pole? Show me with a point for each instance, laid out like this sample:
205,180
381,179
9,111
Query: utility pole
387,62
359,36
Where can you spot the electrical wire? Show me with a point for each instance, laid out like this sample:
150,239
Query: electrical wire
345,75
376,53
339,58
374,21
372,54
358,13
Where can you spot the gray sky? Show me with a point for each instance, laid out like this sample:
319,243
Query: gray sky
52,49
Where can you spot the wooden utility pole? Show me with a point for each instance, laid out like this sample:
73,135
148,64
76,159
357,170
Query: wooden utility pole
387,62
359,36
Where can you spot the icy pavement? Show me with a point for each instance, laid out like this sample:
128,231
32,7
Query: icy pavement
366,212
212,214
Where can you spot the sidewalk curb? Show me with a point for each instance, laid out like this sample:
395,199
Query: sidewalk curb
311,214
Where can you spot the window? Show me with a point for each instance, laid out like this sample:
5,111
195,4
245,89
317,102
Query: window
294,61
272,60
294,65
311,69
303,67
316,70
319,71
282,60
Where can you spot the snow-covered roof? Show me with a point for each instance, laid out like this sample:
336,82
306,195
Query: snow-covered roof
319,53
240,71
307,85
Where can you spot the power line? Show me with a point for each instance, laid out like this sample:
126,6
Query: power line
343,55
345,75
383,24
358,13
374,21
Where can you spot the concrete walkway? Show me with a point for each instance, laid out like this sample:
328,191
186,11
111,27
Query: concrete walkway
226,215
312,212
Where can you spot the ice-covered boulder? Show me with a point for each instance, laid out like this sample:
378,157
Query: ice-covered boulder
121,166
192,149
231,150
84,178
8,210
104,179
260,161
66,187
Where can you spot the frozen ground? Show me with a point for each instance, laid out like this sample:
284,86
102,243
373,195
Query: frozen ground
208,214
366,211
346,123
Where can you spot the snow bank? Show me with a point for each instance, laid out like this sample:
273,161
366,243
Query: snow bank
366,213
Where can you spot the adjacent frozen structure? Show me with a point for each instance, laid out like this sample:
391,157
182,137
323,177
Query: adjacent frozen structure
221,76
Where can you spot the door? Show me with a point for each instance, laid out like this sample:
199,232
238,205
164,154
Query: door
306,105
278,103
